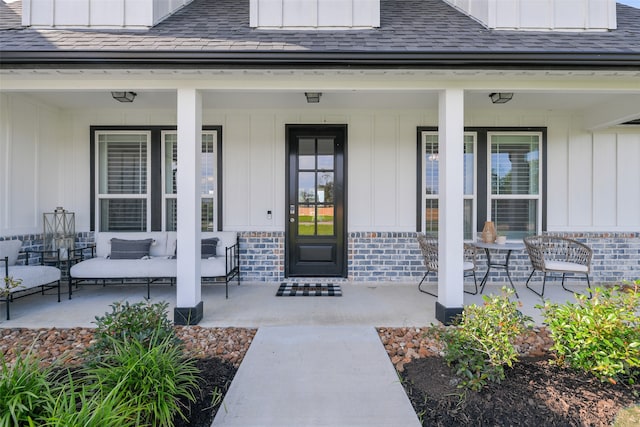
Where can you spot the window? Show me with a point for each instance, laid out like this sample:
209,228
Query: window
208,180
514,181
430,181
123,182
133,178
503,181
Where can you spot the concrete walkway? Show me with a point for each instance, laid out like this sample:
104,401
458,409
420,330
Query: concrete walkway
316,376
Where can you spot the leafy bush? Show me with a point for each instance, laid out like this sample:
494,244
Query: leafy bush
135,376
140,321
150,378
481,343
77,406
9,283
600,335
25,392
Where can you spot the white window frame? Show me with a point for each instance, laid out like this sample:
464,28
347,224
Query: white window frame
103,196
212,196
472,196
536,197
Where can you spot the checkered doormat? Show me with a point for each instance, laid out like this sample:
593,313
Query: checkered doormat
309,290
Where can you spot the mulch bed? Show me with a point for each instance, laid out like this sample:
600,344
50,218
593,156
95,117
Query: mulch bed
217,352
534,393
215,379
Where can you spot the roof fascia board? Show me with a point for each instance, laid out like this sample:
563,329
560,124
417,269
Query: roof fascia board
618,81
477,60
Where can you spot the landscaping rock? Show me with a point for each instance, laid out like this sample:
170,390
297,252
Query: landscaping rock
67,345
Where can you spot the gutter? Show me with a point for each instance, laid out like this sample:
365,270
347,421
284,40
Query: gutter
326,59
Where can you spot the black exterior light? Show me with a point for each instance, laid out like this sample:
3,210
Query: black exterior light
501,97
124,96
313,97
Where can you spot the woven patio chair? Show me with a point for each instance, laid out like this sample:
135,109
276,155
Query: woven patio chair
429,249
558,255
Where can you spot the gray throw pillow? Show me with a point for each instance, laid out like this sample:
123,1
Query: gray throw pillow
130,249
208,248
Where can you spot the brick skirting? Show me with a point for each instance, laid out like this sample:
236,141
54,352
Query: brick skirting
395,256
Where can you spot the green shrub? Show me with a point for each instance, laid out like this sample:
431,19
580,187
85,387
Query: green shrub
151,378
480,345
77,406
140,321
600,335
25,392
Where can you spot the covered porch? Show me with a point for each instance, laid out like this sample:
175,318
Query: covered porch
589,187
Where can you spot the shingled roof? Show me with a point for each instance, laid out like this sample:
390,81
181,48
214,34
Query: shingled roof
412,32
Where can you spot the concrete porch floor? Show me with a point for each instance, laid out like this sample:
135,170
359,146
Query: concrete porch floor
254,305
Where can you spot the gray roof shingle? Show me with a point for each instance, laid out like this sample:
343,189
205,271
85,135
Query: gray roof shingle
209,27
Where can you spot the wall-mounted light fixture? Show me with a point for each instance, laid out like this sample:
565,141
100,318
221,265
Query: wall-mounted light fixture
313,97
501,97
124,96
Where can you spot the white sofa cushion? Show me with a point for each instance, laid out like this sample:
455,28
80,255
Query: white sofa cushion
213,267
162,267
32,276
160,264
104,268
11,249
563,266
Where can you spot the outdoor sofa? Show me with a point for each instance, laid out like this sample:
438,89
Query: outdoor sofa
135,257
26,279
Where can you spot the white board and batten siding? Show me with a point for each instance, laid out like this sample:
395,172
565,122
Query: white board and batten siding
98,13
541,15
314,14
34,173
593,178
598,15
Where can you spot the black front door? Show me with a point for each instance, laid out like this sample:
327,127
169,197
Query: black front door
316,201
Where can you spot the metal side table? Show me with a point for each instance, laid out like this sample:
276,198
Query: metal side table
506,247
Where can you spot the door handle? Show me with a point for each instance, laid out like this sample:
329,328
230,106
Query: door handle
292,219
292,209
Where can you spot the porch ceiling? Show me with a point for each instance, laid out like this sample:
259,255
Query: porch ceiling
567,90
152,99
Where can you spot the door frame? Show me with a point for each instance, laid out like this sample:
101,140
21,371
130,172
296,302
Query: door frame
319,129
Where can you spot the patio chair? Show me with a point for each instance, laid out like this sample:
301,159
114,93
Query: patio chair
28,279
429,249
558,255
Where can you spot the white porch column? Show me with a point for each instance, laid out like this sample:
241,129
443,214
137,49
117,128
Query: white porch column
189,305
450,217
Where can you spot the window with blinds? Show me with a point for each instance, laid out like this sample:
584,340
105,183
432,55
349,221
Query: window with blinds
431,183
503,180
123,174
514,169
208,180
